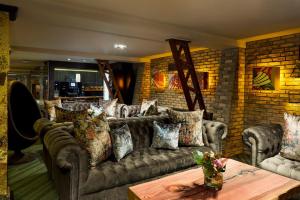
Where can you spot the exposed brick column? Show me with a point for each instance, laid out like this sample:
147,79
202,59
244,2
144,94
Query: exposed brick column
229,107
4,66
143,84
226,85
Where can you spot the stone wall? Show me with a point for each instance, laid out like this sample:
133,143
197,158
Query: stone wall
4,65
262,106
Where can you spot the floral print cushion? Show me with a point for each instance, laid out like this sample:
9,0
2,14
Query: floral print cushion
165,136
93,134
190,133
122,142
290,147
149,107
110,107
63,115
95,111
50,107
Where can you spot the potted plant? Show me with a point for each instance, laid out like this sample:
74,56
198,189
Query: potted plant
213,167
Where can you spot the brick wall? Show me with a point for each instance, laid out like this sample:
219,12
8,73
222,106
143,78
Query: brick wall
230,95
268,106
204,60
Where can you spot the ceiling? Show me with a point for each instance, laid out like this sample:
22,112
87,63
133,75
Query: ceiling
81,29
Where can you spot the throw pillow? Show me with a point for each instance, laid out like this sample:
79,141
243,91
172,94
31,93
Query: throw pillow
50,108
122,142
190,133
63,115
95,111
110,107
165,135
290,147
93,134
149,107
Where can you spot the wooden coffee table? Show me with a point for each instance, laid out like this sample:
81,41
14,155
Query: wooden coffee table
241,182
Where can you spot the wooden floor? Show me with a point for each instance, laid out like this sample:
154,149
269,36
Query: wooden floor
30,181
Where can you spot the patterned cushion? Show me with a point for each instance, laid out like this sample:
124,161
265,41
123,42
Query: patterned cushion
93,134
110,107
290,148
149,107
165,136
190,133
50,107
122,142
95,111
63,115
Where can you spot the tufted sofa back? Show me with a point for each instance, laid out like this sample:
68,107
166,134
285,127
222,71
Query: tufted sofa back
141,128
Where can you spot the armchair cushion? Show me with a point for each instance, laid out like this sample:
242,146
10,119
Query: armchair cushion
290,148
282,166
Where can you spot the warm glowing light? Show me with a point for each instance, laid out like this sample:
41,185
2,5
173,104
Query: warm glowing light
120,46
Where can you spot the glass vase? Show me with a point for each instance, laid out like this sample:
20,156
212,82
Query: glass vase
213,180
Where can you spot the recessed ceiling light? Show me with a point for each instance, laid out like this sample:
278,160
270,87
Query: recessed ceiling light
68,59
120,46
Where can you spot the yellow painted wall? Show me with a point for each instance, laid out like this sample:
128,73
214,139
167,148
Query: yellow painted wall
4,65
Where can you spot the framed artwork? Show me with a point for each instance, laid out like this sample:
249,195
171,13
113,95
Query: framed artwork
174,82
266,78
158,80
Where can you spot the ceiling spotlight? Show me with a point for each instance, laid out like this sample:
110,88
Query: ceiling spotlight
68,59
120,46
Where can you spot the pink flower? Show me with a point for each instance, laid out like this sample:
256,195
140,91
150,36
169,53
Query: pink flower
218,164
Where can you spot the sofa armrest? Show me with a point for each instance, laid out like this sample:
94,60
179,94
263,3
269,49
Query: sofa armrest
68,162
264,141
216,133
43,125
131,110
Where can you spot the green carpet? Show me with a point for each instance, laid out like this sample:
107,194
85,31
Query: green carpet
30,181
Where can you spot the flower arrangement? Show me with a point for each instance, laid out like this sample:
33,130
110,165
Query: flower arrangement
213,166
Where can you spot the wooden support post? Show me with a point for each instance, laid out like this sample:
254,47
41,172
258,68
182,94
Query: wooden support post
183,61
105,68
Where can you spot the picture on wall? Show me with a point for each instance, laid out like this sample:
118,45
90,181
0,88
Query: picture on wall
174,81
266,78
158,80
175,84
